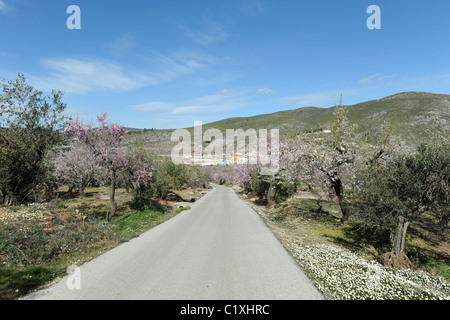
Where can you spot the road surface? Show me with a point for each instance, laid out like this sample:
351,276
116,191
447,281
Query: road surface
218,250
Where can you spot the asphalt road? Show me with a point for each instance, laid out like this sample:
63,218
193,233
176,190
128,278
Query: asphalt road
218,250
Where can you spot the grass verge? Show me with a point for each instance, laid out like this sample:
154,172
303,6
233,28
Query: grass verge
37,247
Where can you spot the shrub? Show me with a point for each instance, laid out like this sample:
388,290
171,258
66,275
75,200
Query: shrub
168,176
198,178
30,241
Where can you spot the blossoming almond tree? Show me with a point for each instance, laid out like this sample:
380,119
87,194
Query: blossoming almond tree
139,171
77,168
335,156
104,143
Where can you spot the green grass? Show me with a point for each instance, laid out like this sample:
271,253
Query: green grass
15,282
33,263
177,211
129,226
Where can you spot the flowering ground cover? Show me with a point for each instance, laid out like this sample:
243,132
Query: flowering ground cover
346,275
343,272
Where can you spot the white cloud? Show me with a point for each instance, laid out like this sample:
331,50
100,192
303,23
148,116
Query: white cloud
265,92
386,77
89,75
181,114
210,104
85,75
376,77
153,107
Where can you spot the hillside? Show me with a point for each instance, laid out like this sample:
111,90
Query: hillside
414,112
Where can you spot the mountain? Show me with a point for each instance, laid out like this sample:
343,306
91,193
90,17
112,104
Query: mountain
413,111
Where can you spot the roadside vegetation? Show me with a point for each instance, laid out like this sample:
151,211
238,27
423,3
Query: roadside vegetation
343,261
38,242
70,191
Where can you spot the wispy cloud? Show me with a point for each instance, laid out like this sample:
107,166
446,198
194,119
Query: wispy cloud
121,46
252,7
5,8
376,77
183,113
2,5
80,75
207,33
167,68
5,54
265,92
226,100
155,107
85,75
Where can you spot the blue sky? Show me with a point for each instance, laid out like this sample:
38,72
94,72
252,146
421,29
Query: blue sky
166,64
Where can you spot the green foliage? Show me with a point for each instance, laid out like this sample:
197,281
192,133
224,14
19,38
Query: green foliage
409,186
260,184
28,130
284,189
281,188
168,176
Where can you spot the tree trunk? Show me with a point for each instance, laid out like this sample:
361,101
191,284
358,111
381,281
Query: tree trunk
398,244
339,191
270,195
112,200
397,258
81,192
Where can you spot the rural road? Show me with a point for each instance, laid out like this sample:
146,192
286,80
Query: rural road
218,250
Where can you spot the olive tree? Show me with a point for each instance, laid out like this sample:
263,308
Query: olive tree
28,130
406,189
